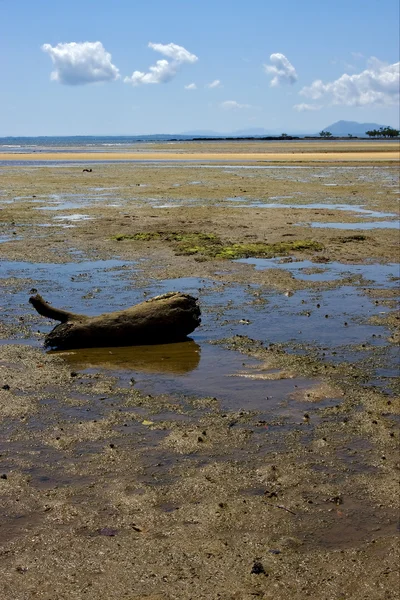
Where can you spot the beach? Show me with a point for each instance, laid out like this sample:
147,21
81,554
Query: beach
253,151
258,459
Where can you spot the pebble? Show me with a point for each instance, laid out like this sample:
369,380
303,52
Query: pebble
258,568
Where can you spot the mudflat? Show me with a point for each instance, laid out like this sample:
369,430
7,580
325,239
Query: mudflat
257,460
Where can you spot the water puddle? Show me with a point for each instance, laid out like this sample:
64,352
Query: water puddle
63,206
58,202
74,217
194,370
379,275
178,358
359,226
332,321
88,286
364,212
354,522
9,238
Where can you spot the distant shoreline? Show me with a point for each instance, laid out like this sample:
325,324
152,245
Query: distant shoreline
270,157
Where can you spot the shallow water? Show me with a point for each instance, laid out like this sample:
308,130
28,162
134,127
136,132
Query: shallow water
192,369
364,212
9,238
359,226
379,275
74,217
326,319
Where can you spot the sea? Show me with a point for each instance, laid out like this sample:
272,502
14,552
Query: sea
119,143
81,143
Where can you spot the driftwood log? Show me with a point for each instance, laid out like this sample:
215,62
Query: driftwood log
167,318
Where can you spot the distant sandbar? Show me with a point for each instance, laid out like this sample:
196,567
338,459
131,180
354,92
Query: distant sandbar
389,156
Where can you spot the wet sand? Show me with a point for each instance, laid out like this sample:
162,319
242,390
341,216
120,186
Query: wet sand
258,461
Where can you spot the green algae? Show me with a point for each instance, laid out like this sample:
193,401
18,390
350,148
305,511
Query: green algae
210,246
263,250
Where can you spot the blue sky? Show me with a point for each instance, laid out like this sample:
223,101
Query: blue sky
296,65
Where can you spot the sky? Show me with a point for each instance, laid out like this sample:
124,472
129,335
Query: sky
95,67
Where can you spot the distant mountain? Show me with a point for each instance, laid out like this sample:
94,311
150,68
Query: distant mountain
252,131
342,128
201,133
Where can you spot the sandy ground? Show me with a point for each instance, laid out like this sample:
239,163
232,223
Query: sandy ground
116,480
368,157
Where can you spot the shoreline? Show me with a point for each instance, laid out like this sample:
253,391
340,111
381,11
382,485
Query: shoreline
380,157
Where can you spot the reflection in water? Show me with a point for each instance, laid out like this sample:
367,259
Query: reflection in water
183,369
178,358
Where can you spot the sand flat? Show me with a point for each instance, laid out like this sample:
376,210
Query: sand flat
152,470
389,156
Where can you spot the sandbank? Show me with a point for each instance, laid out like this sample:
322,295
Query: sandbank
389,156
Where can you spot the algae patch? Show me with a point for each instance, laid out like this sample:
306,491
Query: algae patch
211,246
264,250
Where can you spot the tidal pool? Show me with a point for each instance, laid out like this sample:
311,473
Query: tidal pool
332,321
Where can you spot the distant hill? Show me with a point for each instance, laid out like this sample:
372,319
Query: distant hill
342,128
254,131
200,133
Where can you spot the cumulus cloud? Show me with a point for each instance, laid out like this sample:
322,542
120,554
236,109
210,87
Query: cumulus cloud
233,105
282,70
79,63
303,107
377,85
164,70
214,84
191,86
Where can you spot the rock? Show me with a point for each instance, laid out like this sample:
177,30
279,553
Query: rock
258,568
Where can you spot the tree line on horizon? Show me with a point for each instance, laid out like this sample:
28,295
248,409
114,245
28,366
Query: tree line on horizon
385,132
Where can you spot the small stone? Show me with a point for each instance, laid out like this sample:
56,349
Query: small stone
336,500
108,531
74,374
6,387
4,476
258,568
21,569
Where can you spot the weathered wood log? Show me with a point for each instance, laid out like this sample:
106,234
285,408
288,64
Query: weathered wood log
167,318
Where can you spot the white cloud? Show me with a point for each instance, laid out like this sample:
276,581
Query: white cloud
282,70
378,84
191,86
177,53
303,107
164,70
79,63
233,105
214,84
